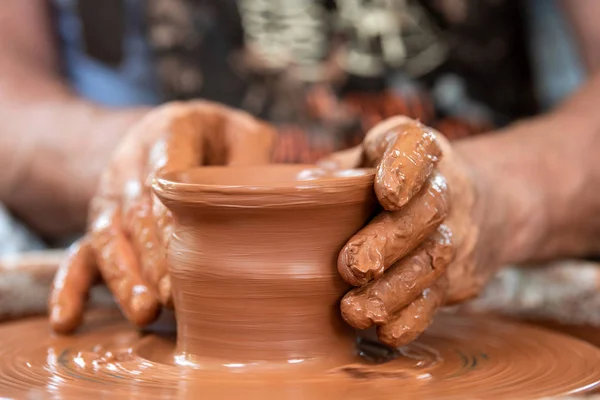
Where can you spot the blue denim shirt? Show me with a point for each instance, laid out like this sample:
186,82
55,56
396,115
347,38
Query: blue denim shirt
132,83
556,66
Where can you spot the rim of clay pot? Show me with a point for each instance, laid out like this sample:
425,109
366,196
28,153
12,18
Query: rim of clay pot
265,185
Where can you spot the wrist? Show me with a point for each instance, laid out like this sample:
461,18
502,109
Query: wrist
509,210
68,143
535,179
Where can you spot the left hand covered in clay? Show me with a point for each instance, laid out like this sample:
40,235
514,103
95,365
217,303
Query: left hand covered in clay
421,251
128,226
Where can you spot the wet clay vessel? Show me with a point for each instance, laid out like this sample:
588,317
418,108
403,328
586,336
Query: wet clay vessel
253,258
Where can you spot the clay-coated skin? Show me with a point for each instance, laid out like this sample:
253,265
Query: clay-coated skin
128,227
419,253
420,184
454,359
72,284
377,301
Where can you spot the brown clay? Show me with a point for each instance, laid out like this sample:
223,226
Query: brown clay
80,262
128,227
256,292
377,301
455,359
412,153
393,234
252,260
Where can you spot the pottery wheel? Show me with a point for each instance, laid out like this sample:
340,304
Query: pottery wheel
459,357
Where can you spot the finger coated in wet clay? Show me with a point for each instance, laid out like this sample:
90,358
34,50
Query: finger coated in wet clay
392,235
407,163
378,301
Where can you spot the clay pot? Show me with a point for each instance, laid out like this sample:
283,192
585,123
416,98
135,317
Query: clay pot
253,260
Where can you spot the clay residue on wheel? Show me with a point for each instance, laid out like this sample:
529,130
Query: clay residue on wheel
455,358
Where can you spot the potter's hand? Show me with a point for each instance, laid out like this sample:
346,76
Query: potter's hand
128,226
417,254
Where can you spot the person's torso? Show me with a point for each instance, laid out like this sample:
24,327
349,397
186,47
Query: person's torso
324,69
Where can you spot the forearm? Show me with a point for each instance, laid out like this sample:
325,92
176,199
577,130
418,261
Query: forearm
583,15
541,177
52,153
53,145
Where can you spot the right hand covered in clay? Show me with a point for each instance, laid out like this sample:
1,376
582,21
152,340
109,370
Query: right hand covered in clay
424,249
128,227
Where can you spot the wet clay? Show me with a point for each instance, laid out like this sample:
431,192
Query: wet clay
401,286
257,292
128,228
377,302
253,261
459,357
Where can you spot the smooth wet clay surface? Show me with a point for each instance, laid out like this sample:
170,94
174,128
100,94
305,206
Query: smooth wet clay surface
253,257
458,357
